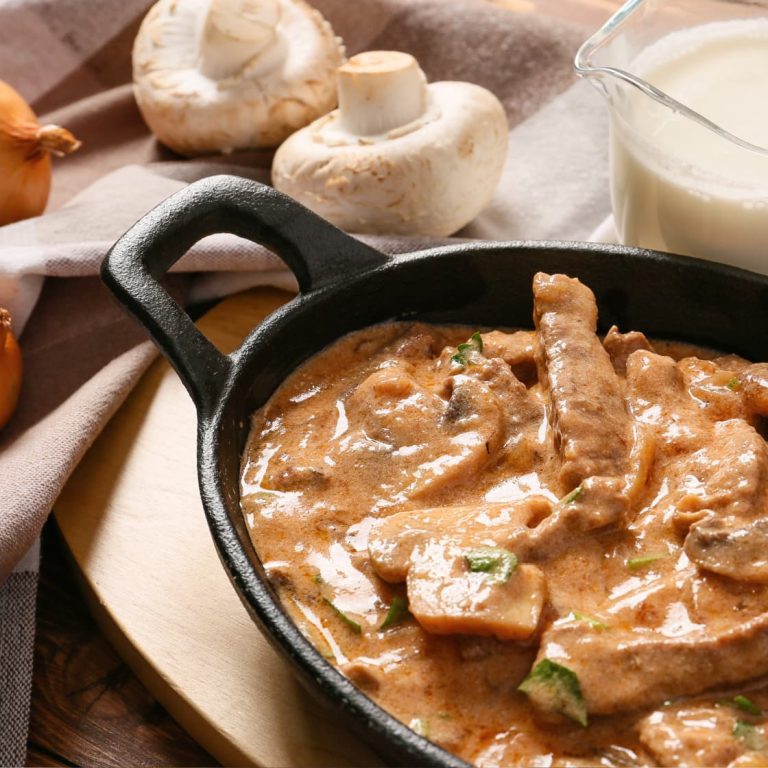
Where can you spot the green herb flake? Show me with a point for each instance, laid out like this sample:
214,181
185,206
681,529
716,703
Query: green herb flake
397,613
749,736
572,496
497,562
734,384
420,725
318,579
468,351
638,563
555,688
746,705
594,623
351,623
262,497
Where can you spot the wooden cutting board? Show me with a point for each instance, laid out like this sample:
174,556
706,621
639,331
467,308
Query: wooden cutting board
132,519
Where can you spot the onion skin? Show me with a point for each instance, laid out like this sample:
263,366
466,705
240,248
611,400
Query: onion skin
25,157
10,368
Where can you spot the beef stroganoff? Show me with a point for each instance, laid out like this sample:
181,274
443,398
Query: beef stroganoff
533,547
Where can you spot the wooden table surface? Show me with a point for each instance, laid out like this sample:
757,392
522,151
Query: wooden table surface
88,709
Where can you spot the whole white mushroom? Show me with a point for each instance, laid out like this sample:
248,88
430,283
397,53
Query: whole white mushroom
219,75
398,155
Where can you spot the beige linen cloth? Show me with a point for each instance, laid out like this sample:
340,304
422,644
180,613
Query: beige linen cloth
71,59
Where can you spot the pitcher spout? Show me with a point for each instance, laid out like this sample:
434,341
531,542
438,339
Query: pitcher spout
685,81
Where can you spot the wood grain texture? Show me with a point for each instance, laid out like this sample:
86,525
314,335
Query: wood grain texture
88,708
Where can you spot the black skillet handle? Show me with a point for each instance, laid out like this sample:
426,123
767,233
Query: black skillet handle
317,253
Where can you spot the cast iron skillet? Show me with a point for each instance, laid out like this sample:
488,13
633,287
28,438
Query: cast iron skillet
345,285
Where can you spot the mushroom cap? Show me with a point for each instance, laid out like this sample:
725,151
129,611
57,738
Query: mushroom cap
431,177
284,87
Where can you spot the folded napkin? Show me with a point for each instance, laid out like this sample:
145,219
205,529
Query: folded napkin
83,356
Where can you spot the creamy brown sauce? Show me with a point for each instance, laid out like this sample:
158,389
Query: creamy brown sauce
629,480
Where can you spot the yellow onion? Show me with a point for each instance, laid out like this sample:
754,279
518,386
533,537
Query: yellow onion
25,157
10,368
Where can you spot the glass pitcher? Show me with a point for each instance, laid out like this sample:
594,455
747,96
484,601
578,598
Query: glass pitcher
687,86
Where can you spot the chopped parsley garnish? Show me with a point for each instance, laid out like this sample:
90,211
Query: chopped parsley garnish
318,578
572,496
262,497
734,383
749,736
746,705
351,623
638,563
497,562
397,613
594,623
555,688
468,351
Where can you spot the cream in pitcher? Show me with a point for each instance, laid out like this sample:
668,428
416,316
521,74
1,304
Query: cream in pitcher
689,128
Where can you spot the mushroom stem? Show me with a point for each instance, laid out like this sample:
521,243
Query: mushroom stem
380,91
235,32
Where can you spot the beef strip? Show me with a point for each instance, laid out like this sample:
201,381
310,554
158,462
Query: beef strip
589,417
695,737
729,475
720,490
598,502
651,376
717,391
515,349
646,667
659,399
621,345
421,342
724,509
754,382
734,363
681,399
522,412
